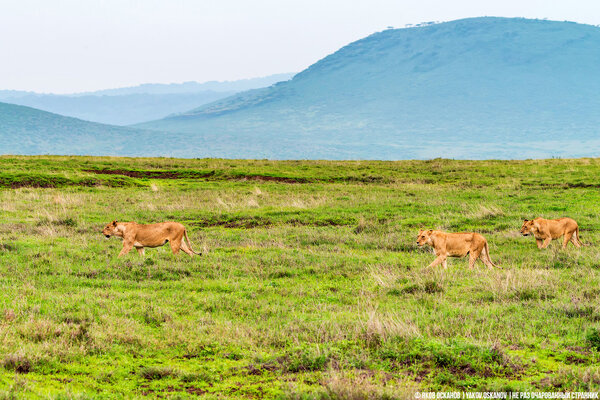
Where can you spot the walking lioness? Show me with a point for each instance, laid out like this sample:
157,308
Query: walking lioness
544,230
456,245
151,235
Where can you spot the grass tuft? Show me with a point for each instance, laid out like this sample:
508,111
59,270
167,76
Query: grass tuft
156,373
18,363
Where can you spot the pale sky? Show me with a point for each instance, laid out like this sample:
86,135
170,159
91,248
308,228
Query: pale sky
64,46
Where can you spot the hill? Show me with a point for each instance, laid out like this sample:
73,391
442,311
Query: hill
517,88
24,130
120,109
130,105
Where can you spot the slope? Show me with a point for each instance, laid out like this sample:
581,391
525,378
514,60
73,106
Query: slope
24,130
130,105
473,88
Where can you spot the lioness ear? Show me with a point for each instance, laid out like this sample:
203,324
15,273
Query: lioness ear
526,220
114,222
430,231
420,231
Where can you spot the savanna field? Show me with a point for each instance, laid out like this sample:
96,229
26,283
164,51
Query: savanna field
311,284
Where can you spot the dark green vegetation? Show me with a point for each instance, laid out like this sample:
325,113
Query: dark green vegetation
519,88
311,285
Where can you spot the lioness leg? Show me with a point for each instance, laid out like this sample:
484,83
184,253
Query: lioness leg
539,243
445,263
473,256
186,249
568,237
175,245
485,257
439,260
140,251
126,248
546,242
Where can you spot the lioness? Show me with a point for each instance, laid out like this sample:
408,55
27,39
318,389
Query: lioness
456,245
151,235
544,230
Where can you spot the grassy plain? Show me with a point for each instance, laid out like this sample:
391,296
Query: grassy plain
311,285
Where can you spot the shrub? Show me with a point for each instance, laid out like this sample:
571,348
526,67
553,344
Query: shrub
432,287
593,338
18,363
305,359
70,222
155,373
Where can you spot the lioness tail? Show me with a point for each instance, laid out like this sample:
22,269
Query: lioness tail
189,243
486,249
577,236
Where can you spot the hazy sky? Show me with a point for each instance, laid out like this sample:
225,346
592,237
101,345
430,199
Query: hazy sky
66,46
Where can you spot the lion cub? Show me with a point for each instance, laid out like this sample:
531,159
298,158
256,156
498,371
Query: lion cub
456,245
544,230
152,235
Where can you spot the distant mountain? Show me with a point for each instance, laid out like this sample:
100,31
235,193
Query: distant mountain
126,106
25,130
473,88
196,87
28,131
117,110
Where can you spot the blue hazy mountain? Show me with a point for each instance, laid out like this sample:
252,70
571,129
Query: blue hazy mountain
28,131
130,105
24,130
118,109
195,87
474,88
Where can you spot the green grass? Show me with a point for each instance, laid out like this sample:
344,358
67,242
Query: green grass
311,285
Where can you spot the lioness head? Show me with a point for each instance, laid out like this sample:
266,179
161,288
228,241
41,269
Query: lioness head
111,230
424,237
527,228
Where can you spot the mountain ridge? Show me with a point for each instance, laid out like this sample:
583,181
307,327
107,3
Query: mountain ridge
490,79
477,88
135,104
